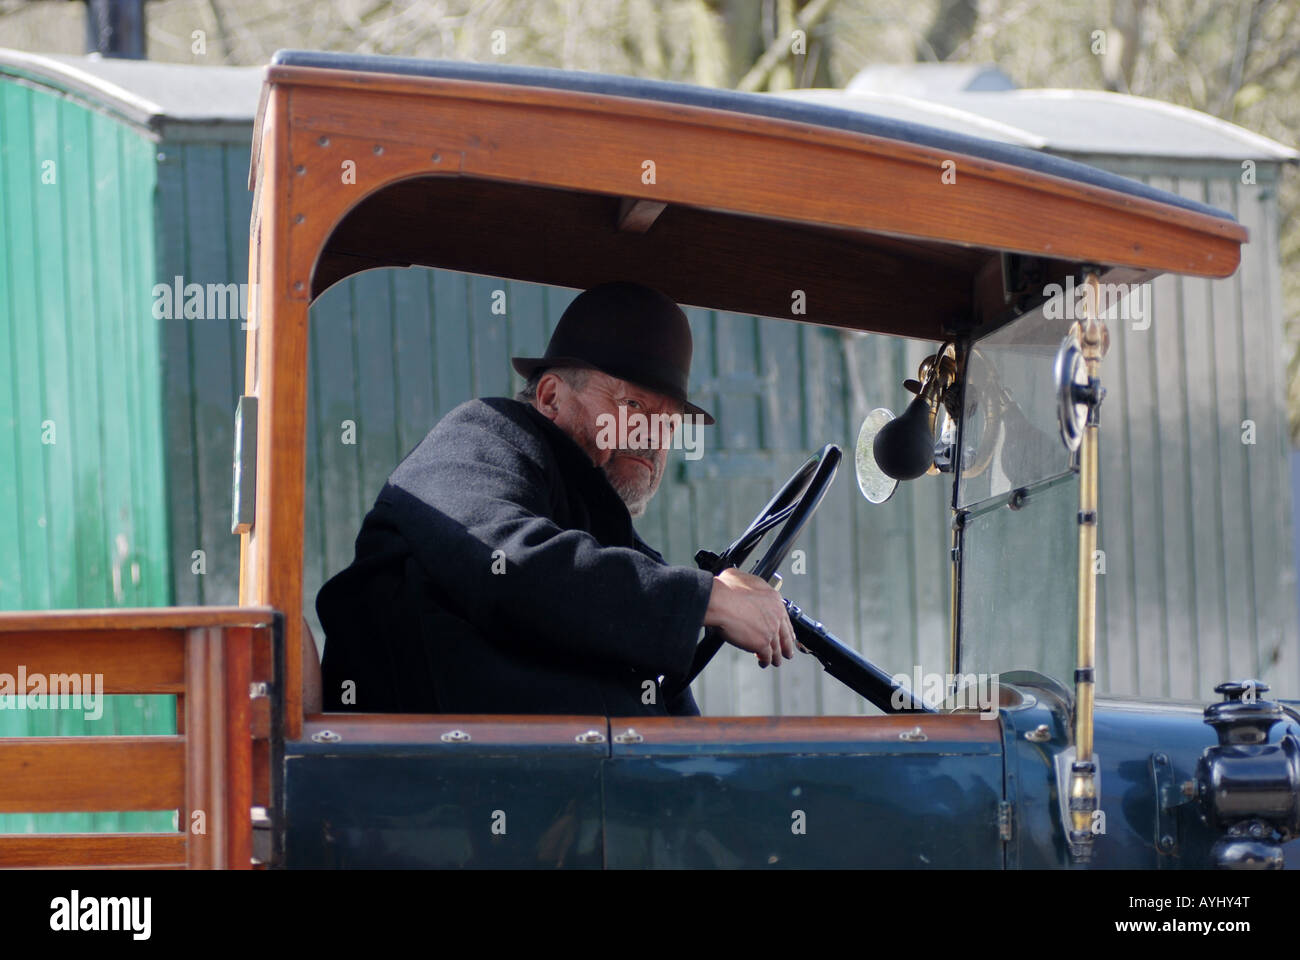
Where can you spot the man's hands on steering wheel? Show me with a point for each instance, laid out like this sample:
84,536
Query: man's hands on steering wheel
751,616
764,628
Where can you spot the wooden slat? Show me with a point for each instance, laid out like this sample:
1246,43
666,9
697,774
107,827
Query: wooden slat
132,661
218,763
236,722
51,774
143,618
97,850
464,113
201,816
421,728
963,727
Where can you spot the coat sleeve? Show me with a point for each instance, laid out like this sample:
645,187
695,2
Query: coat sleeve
475,502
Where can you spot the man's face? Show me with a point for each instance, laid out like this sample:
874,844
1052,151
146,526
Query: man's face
634,464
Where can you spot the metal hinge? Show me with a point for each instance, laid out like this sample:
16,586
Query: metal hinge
1006,819
262,836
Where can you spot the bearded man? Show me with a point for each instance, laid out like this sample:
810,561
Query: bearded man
499,571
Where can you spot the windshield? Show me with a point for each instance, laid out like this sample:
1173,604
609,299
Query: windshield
1019,501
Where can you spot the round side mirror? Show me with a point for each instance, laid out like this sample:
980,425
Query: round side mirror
1071,375
874,483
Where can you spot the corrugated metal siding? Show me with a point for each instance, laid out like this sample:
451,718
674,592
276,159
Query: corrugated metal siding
1196,524
81,518
203,212
1195,536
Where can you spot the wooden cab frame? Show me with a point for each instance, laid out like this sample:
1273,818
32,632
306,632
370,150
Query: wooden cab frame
722,200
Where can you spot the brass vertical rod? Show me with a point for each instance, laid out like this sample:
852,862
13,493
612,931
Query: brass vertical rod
1083,795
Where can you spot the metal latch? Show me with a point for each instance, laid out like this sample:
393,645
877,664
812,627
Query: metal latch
1006,819
243,500
591,736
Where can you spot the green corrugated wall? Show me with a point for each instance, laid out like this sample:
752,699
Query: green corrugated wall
81,449
1200,580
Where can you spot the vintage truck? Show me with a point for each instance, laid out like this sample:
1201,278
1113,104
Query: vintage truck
1003,258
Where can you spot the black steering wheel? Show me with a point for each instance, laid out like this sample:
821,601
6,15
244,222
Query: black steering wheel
793,506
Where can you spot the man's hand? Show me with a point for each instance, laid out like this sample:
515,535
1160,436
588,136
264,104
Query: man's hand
750,614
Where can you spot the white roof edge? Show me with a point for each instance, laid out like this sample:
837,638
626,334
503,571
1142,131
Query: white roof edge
51,66
1017,135
1258,141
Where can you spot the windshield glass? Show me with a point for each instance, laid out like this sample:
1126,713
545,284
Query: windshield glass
1010,436
1020,501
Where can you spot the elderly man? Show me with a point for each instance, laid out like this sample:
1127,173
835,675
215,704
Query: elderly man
499,572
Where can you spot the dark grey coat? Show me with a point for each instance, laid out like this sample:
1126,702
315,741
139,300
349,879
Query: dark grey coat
583,616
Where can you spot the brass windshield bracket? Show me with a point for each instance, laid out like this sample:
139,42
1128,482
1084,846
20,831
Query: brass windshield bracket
1084,794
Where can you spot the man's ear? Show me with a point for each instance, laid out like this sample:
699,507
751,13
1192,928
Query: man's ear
547,399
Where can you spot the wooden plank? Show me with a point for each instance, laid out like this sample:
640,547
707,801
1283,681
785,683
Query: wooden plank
49,208
883,623
185,508
236,728
136,353
124,506
638,216
78,178
132,661
782,378
489,334
354,728
828,542
715,690
1285,673
22,172
742,497
43,774
1116,598
374,383
872,274
202,814
711,155
144,618
412,358
1266,453
528,333
452,340
12,510
147,574
1230,373
1202,429
1147,553
1174,506
961,727
92,850
678,541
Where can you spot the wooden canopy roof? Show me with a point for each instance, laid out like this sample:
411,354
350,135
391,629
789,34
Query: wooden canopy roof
725,200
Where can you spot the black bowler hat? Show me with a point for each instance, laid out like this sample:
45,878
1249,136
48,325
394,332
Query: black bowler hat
628,331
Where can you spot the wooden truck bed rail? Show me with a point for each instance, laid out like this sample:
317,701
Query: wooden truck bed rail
221,664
